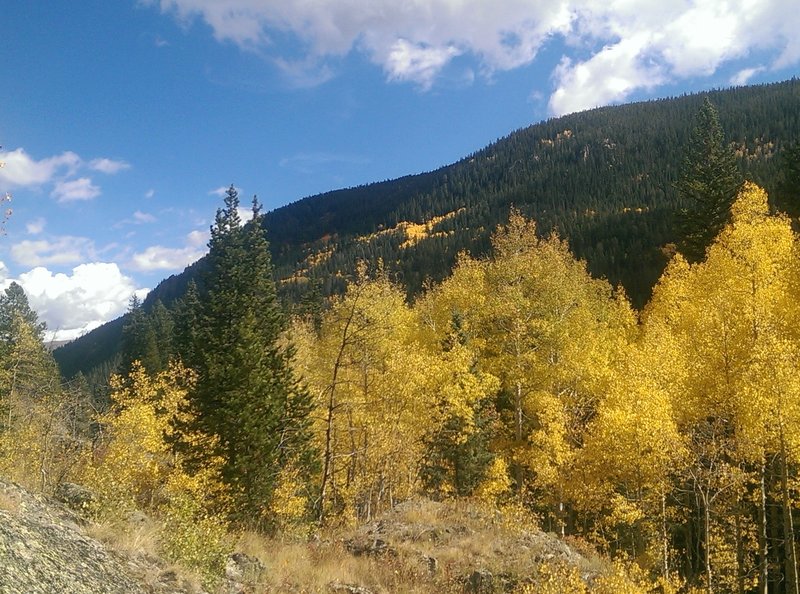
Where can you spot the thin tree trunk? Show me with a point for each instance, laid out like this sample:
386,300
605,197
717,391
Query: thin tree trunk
790,551
763,547
327,470
664,540
707,543
518,472
740,553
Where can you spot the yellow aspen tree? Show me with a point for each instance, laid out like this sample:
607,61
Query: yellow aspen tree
144,461
138,462
632,451
379,391
734,318
548,332
367,418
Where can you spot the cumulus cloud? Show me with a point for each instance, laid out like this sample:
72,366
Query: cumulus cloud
158,257
743,76
610,75
75,189
61,171
143,217
109,166
220,191
641,44
408,61
73,304
21,170
35,226
59,250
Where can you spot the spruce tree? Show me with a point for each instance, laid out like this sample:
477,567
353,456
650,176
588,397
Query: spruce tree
709,183
14,304
788,199
139,340
247,394
187,310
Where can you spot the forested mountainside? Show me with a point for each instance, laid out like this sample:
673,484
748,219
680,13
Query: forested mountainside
604,179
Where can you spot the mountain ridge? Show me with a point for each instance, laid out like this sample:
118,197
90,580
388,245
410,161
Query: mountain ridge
603,179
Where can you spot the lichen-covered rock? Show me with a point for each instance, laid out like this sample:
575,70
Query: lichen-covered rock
43,550
242,573
75,497
340,588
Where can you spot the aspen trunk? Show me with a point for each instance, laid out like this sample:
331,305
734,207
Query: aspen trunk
518,436
664,540
790,551
763,547
740,554
707,538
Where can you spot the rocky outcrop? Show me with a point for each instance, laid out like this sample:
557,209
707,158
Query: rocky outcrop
44,550
485,552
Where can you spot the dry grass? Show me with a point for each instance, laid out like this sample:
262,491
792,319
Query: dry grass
460,536
138,538
9,502
132,538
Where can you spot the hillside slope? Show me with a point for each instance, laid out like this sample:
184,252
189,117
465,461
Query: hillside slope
420,546
604,179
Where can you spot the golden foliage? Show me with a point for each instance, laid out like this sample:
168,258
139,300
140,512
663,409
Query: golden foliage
139,465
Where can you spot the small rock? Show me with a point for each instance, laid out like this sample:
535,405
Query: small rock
75,497
243,568
348,588
371,547
480,582
432,563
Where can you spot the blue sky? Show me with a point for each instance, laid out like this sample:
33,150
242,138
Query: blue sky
122,120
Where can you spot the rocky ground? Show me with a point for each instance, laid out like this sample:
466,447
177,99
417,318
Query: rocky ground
421,546
44,549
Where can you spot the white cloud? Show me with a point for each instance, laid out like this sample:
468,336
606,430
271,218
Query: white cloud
3,271
150,193
74,304
60,250
75,189
109,166
245,213
158,257
640,43
610,75
197,238
21,170
143,217
408,61
35,226
220,191
743,76
61,171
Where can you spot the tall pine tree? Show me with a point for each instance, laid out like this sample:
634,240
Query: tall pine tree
708,185
246,393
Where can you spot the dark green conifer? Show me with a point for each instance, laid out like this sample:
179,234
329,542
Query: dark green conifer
708,185
187,310
246,393
788,197
162,325
139,340
14,304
